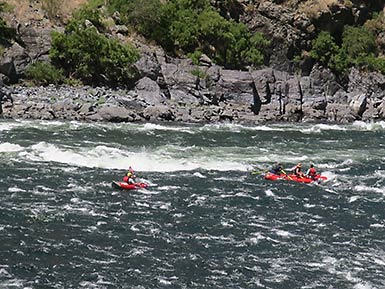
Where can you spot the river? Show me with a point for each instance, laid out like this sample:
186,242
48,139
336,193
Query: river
204,221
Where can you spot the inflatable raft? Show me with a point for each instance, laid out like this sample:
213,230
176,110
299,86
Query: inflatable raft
294,178
127,186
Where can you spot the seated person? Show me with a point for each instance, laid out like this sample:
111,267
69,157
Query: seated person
277,169
311,172
129,177
297,171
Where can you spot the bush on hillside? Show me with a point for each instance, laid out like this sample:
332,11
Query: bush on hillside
42,73
357,48
185,27
324,48
357,42
6,33
86,54
376,24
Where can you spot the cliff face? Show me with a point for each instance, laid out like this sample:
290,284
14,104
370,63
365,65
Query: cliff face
168,90
293,24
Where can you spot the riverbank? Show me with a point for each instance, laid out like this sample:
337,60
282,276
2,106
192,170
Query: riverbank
147,102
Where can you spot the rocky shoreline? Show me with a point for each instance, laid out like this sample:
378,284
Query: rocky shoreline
252,97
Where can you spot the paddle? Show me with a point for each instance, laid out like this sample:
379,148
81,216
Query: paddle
287,176
258,172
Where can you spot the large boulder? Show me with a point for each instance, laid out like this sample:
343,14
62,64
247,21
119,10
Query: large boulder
149,91
112,113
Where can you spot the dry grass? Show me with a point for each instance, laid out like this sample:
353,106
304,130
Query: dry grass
313,8
29,9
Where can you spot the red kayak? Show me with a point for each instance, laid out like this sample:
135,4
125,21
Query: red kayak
127,186
290,177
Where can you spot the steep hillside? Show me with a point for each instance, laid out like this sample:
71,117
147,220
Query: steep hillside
292,85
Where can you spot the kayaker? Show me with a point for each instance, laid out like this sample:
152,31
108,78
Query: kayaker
277,169
311,172
297,170
129,177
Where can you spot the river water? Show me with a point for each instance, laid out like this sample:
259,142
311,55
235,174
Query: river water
204,221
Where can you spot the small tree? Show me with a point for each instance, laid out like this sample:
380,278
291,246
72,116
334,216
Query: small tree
86,54
357,43
44,73
324,48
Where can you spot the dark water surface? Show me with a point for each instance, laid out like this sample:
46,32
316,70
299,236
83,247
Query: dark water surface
205,221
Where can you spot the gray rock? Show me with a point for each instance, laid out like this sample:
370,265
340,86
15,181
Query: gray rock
158,113
111,114
358,104
149,90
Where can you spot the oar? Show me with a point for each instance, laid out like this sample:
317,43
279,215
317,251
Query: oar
290,178
258,172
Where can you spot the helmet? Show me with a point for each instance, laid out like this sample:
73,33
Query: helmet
129,174
299,165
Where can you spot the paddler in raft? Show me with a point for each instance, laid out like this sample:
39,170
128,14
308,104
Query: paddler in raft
297,171
129,178
311,172
277,170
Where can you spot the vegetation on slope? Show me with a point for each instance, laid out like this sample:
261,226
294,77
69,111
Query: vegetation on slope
357,48
6,33
185,27
85,52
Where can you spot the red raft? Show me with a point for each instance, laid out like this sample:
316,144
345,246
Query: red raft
127,186
291,177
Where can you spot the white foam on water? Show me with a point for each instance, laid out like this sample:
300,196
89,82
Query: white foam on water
364,285
163,159
363,188
353,199
330,175
283,234
369,126
15,190
199,175
7,125
269,193
9,147
154,127
4,273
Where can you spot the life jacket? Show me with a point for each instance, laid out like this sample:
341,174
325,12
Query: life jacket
312,172
125,179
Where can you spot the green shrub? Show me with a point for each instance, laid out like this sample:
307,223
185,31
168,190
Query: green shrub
199,73
324,48
86,54
144,16
81,16
375,63
357,42
357,45
43,73
183,27
195,56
